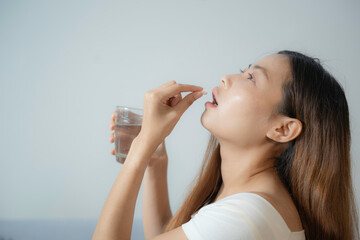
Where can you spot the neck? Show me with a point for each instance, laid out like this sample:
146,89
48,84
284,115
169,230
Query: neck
245,169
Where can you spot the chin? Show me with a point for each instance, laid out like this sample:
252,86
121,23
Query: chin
204,120
208,123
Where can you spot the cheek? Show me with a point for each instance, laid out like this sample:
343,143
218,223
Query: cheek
244,107
243,117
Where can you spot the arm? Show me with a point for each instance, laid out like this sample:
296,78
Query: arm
160,116
156,207
116,218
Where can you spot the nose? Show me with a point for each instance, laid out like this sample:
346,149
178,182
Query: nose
225,81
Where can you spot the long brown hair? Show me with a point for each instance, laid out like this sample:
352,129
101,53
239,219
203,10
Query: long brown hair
315,168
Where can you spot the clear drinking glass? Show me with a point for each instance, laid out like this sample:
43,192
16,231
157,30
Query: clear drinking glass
128,122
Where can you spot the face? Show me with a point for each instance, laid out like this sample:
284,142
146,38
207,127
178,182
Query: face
247,102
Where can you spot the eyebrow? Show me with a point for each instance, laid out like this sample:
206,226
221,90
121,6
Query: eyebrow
261,68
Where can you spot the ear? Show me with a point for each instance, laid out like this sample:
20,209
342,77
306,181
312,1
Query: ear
285,130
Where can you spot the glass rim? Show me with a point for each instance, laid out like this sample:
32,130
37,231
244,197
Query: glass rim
126,107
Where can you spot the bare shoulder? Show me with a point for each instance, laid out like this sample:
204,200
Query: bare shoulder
283,203
175,234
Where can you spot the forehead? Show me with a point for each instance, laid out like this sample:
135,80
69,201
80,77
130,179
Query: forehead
277,66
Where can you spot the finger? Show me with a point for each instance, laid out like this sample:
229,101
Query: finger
188,100
176,89
112,152
111,139
111,125
174,100
177,99
172,82
112,118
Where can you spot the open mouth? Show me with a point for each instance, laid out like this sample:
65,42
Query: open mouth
214,100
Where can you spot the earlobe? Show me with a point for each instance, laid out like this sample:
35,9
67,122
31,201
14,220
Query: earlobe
286,130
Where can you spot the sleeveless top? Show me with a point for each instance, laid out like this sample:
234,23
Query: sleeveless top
245,216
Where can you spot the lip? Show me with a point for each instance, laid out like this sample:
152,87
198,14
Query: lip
214,95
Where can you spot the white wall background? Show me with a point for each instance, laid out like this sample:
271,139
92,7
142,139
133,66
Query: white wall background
65,65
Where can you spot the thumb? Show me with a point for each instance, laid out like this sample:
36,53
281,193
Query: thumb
187,101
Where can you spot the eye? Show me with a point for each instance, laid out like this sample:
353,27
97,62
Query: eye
251,76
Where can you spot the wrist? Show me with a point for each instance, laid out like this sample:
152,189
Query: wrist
156,172
157,169
148,142
140,152
156,163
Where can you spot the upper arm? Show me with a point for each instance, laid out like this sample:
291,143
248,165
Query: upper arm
175,234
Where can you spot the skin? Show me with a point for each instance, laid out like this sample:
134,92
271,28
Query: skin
251,134
162,109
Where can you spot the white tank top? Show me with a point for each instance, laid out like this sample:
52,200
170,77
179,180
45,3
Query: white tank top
245,216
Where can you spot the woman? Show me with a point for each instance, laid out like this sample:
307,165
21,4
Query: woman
277,164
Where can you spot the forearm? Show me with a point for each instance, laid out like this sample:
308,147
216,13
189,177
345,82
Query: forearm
156,206
116,218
